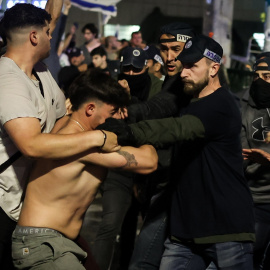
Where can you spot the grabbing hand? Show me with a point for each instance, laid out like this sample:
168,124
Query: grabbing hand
110,142
121,129
257,155
124,84
122,113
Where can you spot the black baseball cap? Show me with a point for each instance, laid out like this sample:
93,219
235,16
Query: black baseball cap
135,57
264,60
181,32
201,46
154,53
74,52
261,55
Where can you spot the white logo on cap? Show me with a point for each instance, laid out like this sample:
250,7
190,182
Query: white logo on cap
188,44
158,59
136,53
212,56
182,38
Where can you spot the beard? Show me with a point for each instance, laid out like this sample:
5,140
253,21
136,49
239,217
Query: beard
194,89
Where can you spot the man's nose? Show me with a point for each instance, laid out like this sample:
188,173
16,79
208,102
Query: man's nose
183,73
171,56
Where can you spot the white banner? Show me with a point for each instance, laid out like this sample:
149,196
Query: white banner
106,7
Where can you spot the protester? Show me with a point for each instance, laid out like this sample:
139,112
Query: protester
112,47
136,40
99,60
31,105
68,74
256,125
51,220
90,33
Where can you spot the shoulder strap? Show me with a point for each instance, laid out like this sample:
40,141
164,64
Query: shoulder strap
11,160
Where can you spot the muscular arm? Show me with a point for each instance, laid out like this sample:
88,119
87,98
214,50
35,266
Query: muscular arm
54,7
27,136
139,160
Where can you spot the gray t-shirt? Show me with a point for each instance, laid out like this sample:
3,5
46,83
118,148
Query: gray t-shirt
21,97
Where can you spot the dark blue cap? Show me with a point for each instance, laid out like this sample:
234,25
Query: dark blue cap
181,31
201,46
263,60
135,57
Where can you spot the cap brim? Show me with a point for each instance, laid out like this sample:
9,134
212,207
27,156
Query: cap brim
190,56
134,63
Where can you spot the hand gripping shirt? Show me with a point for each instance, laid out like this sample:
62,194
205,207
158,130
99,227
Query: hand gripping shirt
21,97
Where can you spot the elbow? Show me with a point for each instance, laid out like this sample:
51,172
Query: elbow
30,152
152,166
155,164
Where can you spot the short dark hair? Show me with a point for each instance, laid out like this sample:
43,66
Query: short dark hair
92,28
94,84
21,16
98,51
135,33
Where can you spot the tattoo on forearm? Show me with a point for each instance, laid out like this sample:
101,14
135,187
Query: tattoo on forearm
130,158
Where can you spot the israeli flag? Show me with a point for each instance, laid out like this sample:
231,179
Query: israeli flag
106,7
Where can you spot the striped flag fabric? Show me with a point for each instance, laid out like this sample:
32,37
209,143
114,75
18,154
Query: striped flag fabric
106,7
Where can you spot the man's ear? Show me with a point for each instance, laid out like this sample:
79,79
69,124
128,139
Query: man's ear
214,69
34,37
90,108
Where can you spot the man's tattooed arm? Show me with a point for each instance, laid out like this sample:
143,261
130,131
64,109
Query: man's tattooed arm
130,158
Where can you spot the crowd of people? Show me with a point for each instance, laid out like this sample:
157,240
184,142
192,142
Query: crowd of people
152,127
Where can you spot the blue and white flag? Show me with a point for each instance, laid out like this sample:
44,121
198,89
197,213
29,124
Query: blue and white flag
106,7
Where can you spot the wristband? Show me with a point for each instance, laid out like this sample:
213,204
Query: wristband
105,138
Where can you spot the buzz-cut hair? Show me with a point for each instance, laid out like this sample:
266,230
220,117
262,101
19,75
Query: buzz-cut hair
21,16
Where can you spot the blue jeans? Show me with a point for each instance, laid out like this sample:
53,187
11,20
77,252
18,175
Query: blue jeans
190,256
262,231
149,245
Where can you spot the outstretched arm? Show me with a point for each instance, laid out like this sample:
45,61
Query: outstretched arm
139,160
257,155
25,133
54,7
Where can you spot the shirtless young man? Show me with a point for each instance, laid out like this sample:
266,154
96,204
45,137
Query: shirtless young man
60,191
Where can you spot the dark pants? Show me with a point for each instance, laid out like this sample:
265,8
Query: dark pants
116,198
190,256
262,231
266,260
7,226
261,253
149,246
